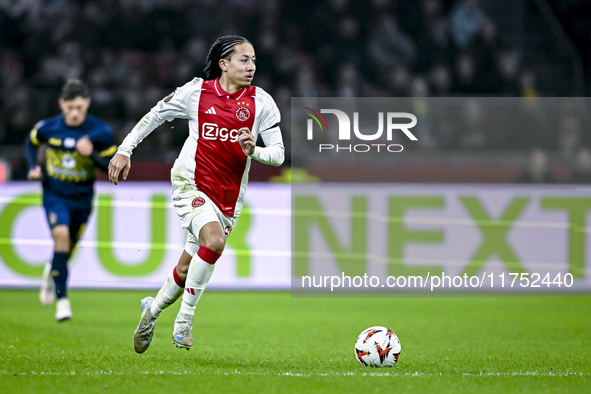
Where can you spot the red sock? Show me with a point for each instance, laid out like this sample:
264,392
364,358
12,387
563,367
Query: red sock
208,255
177,279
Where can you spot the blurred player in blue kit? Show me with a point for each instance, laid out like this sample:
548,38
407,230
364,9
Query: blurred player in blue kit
76,145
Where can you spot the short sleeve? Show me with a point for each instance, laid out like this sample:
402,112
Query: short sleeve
37,135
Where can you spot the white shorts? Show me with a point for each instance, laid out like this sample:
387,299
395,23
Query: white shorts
195,209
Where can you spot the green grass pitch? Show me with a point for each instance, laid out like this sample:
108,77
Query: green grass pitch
269,342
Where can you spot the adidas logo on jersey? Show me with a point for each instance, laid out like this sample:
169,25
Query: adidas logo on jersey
211,111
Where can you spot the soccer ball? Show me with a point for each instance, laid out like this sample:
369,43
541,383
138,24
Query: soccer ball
377,347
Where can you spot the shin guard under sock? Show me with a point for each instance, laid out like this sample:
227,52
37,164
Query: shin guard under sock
199,274
170,292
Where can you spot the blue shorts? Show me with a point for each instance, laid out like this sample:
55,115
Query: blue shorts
73,213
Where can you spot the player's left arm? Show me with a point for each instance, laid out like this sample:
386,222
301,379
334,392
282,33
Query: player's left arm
273,152
102,158
98,146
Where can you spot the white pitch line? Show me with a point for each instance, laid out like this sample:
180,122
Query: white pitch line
540,265
297,374
143,246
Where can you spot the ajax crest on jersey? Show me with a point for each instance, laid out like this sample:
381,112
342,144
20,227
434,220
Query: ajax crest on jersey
243,113
377,347
197,202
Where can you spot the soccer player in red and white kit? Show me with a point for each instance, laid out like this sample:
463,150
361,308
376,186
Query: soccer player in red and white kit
226,115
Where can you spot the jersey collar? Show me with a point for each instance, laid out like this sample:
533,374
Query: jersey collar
236,95
79,127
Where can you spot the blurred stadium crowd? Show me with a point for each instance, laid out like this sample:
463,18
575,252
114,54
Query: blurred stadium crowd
133,52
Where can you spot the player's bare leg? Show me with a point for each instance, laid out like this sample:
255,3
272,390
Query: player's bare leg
212,241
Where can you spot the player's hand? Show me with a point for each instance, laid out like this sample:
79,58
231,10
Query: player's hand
35,173
246,141
84,146
118,163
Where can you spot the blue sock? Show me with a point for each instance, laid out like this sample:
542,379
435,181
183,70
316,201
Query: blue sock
59,271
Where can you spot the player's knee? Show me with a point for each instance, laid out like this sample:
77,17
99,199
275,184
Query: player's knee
217,244
61,238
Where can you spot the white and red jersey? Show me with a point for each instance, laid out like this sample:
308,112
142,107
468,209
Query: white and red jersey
211,155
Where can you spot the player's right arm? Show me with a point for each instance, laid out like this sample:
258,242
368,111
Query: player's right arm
122,159
175,105
117,164
31,146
